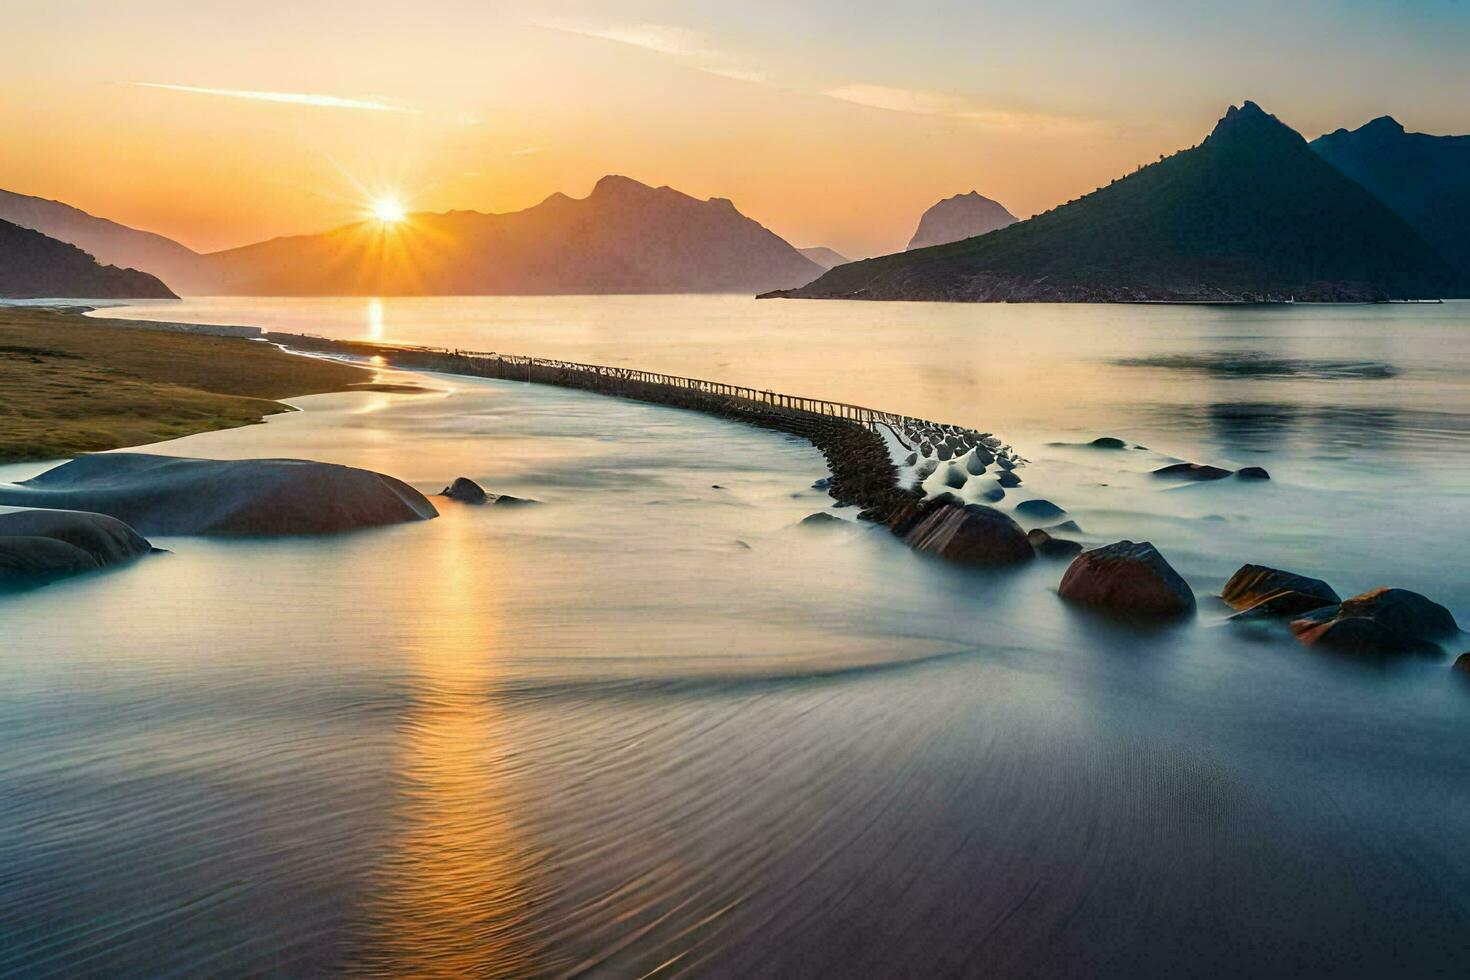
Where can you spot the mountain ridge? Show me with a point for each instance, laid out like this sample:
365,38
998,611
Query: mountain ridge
957,218
1249,214
36,266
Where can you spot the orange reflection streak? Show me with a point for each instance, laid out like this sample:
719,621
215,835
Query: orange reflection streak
453,898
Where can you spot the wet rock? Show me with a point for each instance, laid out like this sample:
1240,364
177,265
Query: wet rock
983,457
822,484
926,469
1051,547
911,459
40,545
974,466
1108,442
1252,473
1066,527
1462,664
1005,463
1128,578
994,495
465,490
946,497
178,495
1381,622
1008,480
1196,472
956,477
821,519
506,500
973,534
944,452
1039,509
1256,591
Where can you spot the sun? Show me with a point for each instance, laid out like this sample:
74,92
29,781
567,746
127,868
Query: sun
388,210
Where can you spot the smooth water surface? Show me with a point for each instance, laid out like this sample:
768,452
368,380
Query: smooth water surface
654,726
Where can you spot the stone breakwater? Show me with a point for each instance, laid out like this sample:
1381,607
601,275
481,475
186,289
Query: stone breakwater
849,436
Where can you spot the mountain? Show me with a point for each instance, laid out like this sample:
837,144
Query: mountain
824,257
625,237
33,266
1249,214
1426,179
956,218
108,241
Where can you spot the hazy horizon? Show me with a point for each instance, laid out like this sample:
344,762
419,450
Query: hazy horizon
832,125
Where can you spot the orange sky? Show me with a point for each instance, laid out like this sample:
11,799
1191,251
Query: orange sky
834,125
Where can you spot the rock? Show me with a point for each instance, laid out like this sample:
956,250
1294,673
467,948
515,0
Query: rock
1462,664
506,500
945,497
1256,590
1039,509
1108,442
38,545
1005,463
994,495
822,484
956,477
1380,622
1252,473
1008,479
911,459
1124,577
981,457
926,469
973,534
1197,472
1067,527
944,452
177,495
973,466
1051,547
821,519
465,490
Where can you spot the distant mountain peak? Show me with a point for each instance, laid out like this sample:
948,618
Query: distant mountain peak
1248,123
1384,124
959,217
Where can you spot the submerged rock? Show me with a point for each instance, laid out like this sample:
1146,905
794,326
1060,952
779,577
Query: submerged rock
821,519
1066,527
37,545
1255,591
956,477
179,495
974,466
1197,472
1040,509
911,459
1381,622
1462,664
1108,442
1128,578
1252,473
973,534
994,494
465,490
1051,547
1008,479
506,500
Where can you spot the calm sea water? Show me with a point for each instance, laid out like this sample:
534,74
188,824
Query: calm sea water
654,726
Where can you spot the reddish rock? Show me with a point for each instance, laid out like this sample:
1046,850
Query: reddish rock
1128,578
973,534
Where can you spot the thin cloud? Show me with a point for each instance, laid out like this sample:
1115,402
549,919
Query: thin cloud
289,98
918,102
662,38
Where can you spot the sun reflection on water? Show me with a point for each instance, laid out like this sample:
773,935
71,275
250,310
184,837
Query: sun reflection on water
453,897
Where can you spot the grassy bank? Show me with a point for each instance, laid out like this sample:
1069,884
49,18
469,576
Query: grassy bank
70,385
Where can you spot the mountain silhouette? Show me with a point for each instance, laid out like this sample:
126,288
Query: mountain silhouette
1252,213
34,266
624,237
957,218
1426,179
824,256
109,242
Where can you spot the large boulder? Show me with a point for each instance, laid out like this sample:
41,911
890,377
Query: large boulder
37,545
1257,591
1380,622
1128,578
972,534
177,495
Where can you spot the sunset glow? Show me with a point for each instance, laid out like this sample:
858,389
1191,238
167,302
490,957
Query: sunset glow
388,210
